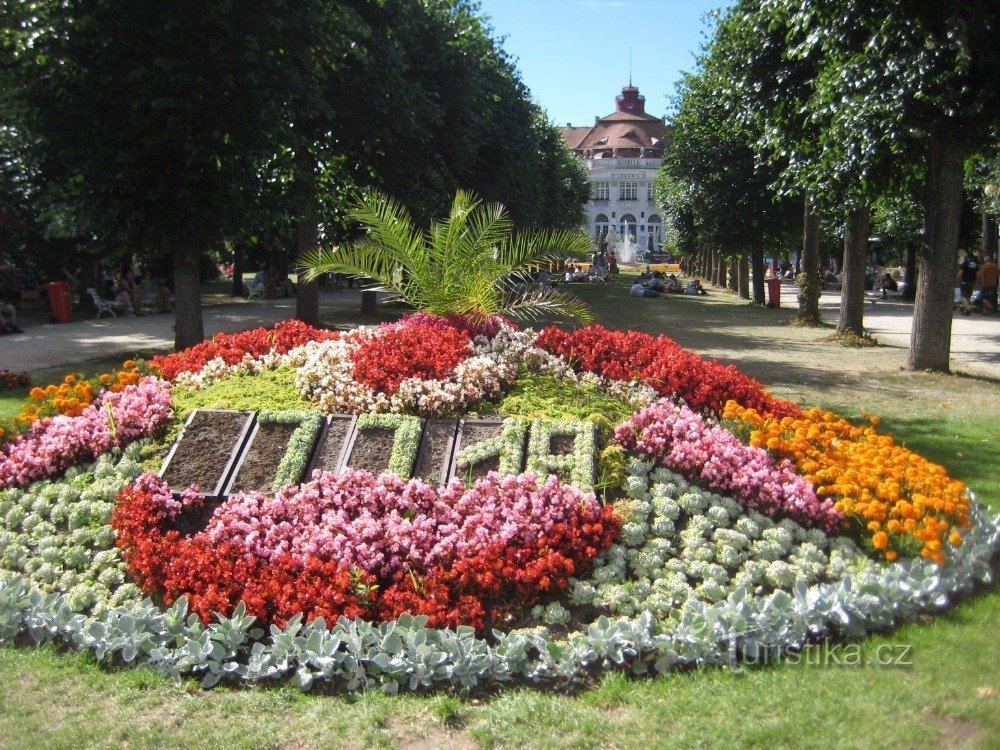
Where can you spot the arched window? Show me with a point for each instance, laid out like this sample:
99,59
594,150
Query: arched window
628,224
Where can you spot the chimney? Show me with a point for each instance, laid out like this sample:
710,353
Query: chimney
597,119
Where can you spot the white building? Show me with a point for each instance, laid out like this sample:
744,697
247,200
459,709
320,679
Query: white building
623,152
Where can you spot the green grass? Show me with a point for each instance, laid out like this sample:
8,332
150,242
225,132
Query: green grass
51,699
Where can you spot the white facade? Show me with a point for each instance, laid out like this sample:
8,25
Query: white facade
621,193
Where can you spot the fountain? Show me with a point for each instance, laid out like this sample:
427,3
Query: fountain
625,248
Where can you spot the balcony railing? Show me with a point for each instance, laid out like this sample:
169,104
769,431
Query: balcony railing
606,164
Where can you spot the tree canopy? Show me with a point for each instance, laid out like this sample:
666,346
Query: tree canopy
142,129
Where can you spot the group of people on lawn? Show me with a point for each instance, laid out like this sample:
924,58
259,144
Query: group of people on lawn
655,284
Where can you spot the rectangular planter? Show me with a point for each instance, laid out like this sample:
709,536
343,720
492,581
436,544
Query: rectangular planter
331,458
352,445
436,449
226,453
246,459
464,437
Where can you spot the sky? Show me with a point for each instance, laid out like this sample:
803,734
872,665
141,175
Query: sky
574,54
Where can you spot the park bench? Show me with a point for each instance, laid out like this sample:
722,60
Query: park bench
104,305
254,291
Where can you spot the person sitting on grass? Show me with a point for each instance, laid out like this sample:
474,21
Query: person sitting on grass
694,287
599,273
673,285
657,284
638,290
8,319
646,274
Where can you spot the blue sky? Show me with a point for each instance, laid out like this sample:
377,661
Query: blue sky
574,54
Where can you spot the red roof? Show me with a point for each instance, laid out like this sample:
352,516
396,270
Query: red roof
628,129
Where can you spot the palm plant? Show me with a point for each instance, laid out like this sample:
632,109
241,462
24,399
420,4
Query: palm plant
472,263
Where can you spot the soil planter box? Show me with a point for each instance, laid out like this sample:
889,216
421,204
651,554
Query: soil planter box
331,449
373,448
206,450
258,465
436,448
502,448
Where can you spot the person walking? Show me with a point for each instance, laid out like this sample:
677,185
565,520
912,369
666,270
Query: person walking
968,271
989,279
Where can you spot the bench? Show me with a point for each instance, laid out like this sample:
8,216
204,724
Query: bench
253,291
104,305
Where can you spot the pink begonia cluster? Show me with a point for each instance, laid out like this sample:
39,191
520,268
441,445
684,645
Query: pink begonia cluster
54,444
386,525
675,437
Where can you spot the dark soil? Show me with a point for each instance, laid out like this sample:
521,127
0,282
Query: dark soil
435,451
205,450
470,434
562,445
371,450
261,458
328,452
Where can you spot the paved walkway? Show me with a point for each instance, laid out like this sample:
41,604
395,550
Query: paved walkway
975,340
52,345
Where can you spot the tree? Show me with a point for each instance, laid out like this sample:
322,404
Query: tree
464,264
713,155
899,79
146,122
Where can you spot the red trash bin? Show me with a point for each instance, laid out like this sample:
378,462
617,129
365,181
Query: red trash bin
773,292
60,300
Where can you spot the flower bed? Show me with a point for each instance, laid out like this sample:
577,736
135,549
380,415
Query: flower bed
709,530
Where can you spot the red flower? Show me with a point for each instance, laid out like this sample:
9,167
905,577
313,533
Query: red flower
705,385
420,350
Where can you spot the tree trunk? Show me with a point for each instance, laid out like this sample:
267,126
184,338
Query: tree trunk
307,235
238,258
720,269
189,329
757,267
852,292
910,274
989,235
734,283
809,282
743,273
930,339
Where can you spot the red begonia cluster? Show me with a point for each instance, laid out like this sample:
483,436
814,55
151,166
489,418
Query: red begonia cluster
705,385
233,347
425,350
488,327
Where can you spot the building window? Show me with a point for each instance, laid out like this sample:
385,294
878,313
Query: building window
649,192
602,191
629,191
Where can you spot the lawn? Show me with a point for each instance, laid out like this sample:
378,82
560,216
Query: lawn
932,683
